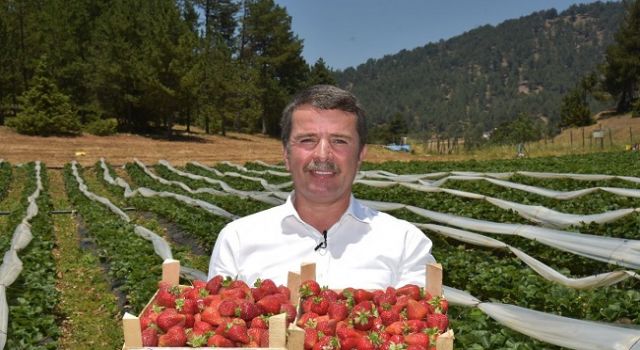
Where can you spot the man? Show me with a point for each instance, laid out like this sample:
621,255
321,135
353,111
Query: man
323,134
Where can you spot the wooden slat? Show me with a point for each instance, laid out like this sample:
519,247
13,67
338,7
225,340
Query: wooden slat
132,331
307,271
278,331
293,283
171,271
434,279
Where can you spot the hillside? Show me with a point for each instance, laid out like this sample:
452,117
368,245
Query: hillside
490,74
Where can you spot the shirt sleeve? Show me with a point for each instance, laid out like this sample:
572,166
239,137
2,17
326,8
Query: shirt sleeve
225,254
417,254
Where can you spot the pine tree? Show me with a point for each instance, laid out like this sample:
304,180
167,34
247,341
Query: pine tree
320,74
622,67
574,110
45,110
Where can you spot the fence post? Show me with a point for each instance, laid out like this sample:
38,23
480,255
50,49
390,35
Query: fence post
610,139
583,138
630,137
571,139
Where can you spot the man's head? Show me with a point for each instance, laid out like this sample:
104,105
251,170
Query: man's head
325,97
323,134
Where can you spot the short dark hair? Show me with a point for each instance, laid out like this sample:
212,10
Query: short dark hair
325,97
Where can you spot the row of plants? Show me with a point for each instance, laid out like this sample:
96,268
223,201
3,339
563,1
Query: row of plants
132,266
5,178
32,298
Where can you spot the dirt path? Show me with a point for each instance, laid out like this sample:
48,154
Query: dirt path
120,149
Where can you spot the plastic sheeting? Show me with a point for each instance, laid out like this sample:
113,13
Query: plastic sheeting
595,281
266,185
259,196
12,265
259,172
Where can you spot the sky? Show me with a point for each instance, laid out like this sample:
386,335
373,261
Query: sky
346,33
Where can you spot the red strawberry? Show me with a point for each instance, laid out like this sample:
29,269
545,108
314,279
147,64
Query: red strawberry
327,343
329,295
263,288
344,330
440,305
150,337
170,318
389,316
326,326
290,310
236,330
416,347
260,322
411,290
219,341
214,284
167,295
363,320
227,307
440,321
415,310
212,316
361,295
310,338
175,336
305,318
417,339
197,339
150,316
284,291
319,305
396,328
233,293
415,325
349,343
187,306
388,297
364,343
256,335
247,310
189,320
338,310
270,304
309,288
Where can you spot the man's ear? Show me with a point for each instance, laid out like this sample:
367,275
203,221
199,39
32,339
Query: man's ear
363,153
285,153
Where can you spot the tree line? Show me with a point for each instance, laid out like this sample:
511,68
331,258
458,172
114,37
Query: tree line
143,66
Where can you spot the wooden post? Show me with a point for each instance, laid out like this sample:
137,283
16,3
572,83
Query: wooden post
434,279
132,331
293,283
278,331
571,138
296,338
307,272
630,137
171,271
610,138
445,341
583,138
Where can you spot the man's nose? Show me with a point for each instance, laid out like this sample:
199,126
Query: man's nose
323,149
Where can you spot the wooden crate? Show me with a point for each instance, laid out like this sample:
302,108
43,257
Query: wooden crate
171,274
433,285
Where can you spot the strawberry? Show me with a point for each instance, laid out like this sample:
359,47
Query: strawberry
219,341
338,310
440,321
411,290
263,288
197,339
344,330
227,307
440,305
187,306
319,305
415,347
388,297
361,295
270,304
310,338
417,339
233,293
389,316
150,316
309,288
363,320
150,337
364,343
327,343
257,335
396,328
214,284
349,343
415,325
170,318
326,326
167,295
328,294
415,310
290,310
260,322
236,330
247,310
189,320
212,316
305,318
175,336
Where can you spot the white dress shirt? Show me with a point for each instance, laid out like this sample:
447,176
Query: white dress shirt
365,248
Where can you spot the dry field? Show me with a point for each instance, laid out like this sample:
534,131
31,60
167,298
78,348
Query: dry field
120,149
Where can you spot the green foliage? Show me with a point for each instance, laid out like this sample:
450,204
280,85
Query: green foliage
523,129
488,75
45,110
574,110
102,127
320,74
622,66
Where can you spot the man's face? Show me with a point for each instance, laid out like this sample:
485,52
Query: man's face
323,154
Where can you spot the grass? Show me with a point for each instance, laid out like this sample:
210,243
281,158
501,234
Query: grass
91,316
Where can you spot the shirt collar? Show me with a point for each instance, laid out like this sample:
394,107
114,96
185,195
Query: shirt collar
355,210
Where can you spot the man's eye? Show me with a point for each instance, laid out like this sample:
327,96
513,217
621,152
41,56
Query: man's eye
307,141
340,141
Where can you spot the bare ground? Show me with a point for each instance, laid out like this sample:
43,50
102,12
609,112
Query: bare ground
56,151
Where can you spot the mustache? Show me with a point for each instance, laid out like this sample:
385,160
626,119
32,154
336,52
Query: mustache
315,165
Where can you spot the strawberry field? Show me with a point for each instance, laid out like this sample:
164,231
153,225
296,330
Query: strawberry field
512,236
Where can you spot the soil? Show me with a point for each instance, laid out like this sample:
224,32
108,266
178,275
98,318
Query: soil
119,149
